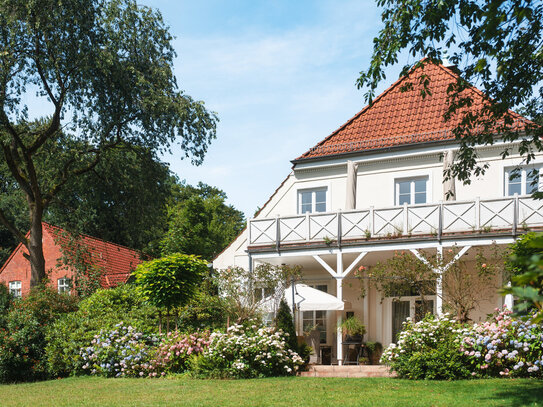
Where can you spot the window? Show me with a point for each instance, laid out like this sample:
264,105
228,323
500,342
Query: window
63,285
315,319
261,293
15,289
411,191
524,181
312,200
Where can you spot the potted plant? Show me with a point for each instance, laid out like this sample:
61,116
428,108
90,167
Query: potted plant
375,350
353,329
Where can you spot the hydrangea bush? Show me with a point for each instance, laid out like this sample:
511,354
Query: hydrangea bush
245,352
441,348
121,352
175,349
428,349
504,346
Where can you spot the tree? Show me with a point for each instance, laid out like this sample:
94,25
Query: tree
496,45
122,200
284,321
105,69
464,286
200,222
170,281
526,266
246,293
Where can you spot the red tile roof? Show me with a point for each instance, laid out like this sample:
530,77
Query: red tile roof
116,261
401,117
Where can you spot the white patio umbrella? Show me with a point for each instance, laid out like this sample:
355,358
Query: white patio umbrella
311,299
350,199
449,187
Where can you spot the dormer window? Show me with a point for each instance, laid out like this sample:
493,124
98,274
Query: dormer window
312,200
525,181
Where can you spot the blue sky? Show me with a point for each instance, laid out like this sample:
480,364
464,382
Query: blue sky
280,75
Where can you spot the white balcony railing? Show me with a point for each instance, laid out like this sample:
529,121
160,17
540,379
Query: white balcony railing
408,220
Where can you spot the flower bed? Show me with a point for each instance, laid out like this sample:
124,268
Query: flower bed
173,353
441,348
122,352
244,352
504,347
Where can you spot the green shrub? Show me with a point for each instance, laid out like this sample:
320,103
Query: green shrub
22,340
5,304
21,347
101,311
170,281
246,352
428,349
204,312
285,323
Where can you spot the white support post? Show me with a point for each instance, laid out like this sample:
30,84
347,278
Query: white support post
339,333
439,284
508,301
339,295
477,213
366,307
308,231
405,229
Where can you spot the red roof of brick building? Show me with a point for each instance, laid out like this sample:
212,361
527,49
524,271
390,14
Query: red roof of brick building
402,117
115,261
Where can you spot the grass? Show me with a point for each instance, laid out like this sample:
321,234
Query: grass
289,392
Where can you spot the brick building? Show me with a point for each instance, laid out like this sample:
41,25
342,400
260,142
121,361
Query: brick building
115,261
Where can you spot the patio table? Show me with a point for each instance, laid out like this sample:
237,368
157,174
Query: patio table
358,348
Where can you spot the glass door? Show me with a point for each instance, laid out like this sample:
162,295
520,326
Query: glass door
400,312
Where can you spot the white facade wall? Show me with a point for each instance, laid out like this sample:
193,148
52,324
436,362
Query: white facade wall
376,178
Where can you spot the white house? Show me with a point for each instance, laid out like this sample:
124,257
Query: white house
375,186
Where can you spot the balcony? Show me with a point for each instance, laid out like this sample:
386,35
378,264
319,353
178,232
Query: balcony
437,220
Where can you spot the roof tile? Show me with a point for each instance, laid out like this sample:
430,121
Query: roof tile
117,261
401,117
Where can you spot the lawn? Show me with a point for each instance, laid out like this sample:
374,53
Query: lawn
272,392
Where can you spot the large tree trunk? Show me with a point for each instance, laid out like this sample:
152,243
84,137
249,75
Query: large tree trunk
35,248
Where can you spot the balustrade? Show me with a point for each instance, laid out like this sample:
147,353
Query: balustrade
409,220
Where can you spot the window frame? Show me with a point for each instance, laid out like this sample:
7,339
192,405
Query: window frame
412,190
313,319
524,171
313,199
16,292
66,285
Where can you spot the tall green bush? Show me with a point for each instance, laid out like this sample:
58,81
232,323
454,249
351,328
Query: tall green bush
284,322
23,338
5,303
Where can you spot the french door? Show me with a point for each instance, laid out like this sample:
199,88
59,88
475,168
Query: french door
409,307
